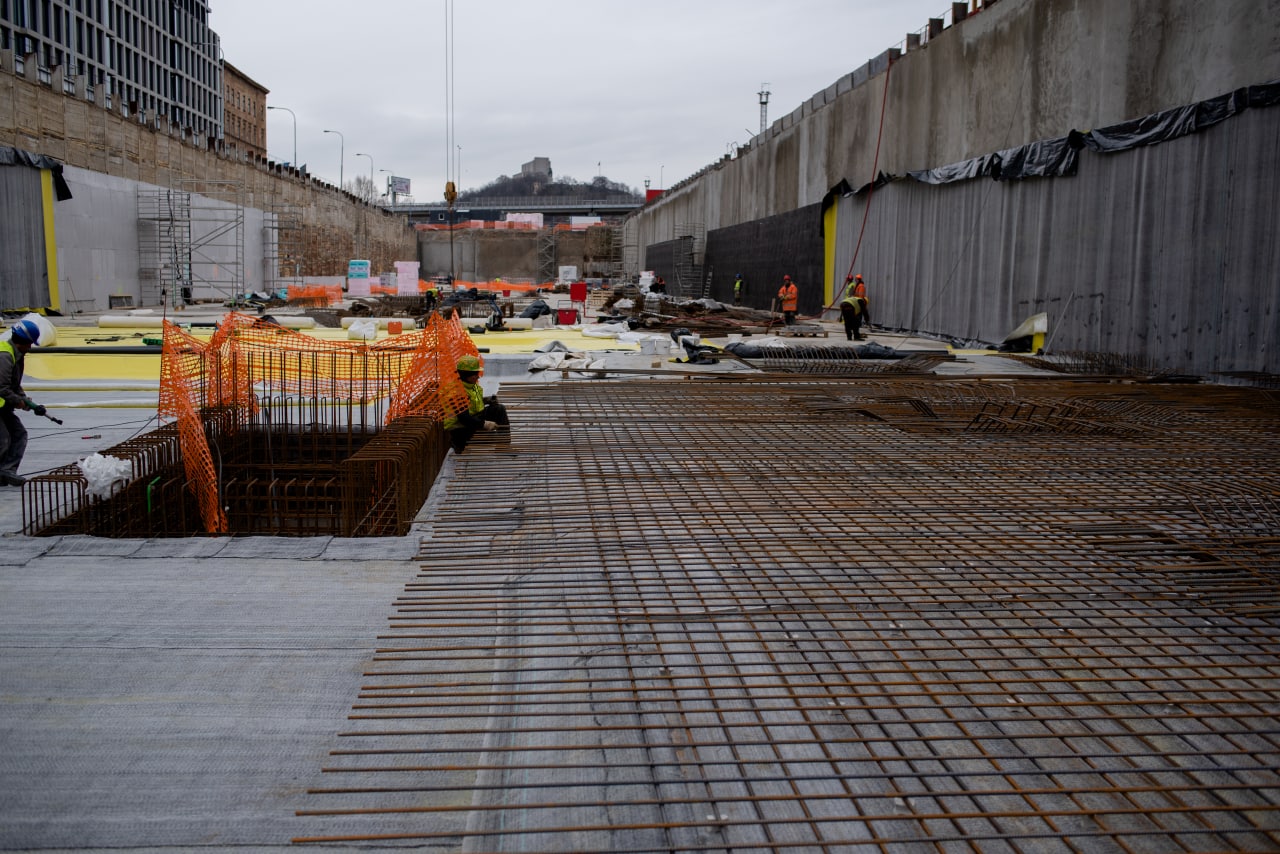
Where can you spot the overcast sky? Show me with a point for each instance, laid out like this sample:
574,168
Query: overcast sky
656,89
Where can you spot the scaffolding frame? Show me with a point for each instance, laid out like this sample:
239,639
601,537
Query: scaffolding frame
191,242
689,258
164,240
547,254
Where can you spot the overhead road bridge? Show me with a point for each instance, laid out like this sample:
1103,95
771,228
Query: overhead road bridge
494,208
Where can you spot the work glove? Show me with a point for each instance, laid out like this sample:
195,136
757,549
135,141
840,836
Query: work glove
36,408
490,426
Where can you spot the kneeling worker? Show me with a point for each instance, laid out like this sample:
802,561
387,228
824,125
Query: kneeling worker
13,436
482,413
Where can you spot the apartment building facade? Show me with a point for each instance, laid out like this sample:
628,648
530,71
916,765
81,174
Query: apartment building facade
245,112
154,57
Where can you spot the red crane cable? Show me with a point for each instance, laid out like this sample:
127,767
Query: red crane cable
875,166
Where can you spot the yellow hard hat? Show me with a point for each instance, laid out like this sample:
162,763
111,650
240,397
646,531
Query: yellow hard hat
468,365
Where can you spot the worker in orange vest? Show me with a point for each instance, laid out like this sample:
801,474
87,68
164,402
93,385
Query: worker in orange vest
789,298
860,291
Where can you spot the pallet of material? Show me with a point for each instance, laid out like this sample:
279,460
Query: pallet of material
801,330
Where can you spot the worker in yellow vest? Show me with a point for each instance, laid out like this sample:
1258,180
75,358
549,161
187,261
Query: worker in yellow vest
789,300
851,314
482,413
13,435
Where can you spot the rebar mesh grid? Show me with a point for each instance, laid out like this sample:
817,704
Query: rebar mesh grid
1096,364
844,361
709,616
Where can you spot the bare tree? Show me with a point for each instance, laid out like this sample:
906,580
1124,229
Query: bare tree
364,189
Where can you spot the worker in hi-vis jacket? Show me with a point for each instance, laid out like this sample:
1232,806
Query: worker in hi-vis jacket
788,299
482,413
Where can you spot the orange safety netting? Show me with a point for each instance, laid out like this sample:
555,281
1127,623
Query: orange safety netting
316,296
248,359
504,285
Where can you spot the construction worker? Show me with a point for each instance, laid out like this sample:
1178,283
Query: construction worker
789,299
737,289
483,413
860,291
496,321
13,436
851,313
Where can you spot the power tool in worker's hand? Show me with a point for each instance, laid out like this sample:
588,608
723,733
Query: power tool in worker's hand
40,410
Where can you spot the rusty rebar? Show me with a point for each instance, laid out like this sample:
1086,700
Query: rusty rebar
835,614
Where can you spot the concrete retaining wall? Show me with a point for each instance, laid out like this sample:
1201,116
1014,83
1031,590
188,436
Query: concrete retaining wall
1016,72
480,255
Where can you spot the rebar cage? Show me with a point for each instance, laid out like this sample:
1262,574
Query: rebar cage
275,432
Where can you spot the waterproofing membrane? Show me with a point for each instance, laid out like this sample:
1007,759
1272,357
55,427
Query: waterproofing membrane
10,156
764,251
1052,158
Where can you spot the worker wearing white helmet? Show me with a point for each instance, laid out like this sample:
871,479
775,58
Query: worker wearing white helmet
482,413
13,435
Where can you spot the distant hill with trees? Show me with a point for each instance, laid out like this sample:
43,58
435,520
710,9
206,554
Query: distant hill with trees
599,187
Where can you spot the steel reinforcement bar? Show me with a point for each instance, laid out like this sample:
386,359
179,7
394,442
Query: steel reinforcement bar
835,615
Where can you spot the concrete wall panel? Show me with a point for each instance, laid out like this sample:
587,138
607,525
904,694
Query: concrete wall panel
1108,252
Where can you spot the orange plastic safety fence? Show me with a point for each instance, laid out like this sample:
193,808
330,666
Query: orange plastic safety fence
316,296
514,287
181,381
248,359
431,386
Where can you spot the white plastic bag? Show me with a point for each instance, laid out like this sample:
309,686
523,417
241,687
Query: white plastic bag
364,329
103,473
48,332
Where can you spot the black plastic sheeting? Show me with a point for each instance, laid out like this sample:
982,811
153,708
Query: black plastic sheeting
1052,158
1045,158
10,156
1180,121
765,250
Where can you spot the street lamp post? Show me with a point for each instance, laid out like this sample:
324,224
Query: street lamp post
342,144
370,156
295,133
